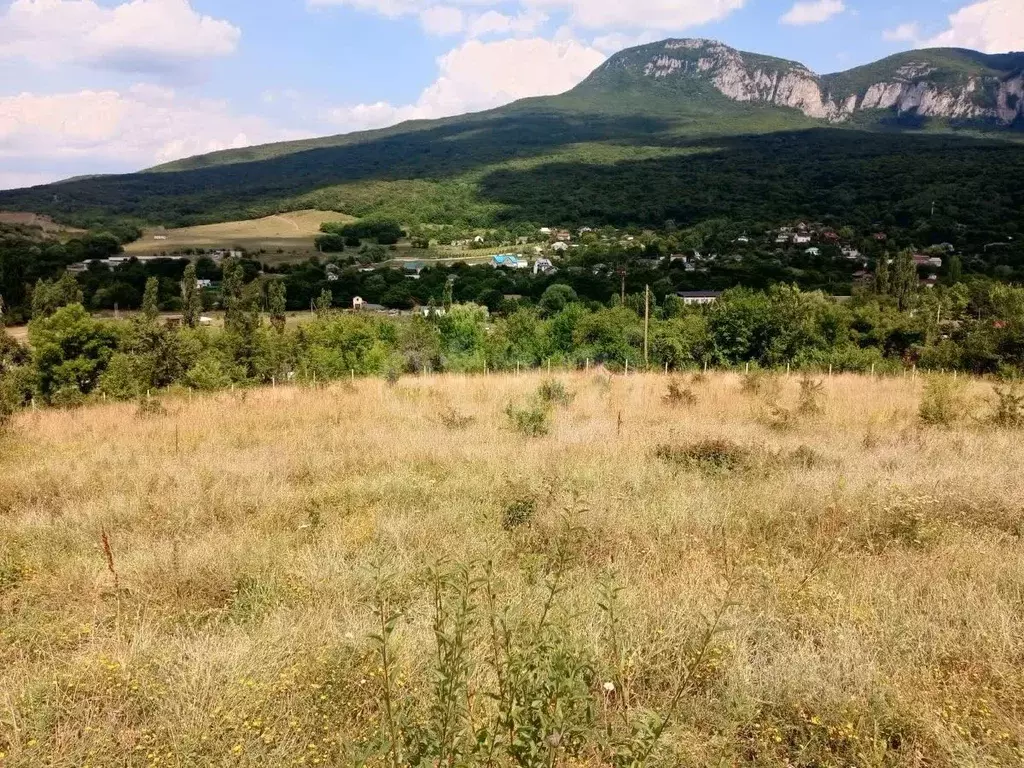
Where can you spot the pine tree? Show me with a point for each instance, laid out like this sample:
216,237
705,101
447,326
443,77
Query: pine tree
324,303
277,297
151,300
190,300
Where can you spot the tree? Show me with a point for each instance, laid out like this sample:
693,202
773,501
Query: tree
190,300
70,351
231,293
556,298
904,282
277,299
151,300
956,269
882,278
324,303
50,296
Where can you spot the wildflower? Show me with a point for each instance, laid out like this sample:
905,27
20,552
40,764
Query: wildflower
609,687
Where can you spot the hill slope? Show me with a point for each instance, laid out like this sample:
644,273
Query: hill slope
670,104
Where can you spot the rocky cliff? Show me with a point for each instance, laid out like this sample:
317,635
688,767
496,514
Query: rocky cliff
945,83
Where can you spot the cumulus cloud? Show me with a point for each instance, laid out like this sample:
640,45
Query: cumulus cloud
478,75
903,33
812,12
993,26
141,126
494,23
139,35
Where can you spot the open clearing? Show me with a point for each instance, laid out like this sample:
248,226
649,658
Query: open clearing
45,223
198,582
287,231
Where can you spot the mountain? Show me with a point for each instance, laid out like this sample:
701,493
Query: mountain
681,129
954,84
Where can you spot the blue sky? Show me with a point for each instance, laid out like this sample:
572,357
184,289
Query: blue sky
102,86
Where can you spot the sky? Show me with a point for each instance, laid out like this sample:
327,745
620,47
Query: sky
112,86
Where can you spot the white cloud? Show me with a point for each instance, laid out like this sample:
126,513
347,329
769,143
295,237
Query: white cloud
661,15
492,22
993,26
140,35
812,12
903,33
139,127
442,20
480,75
617,41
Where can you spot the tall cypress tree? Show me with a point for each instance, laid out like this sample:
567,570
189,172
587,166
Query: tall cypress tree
277,298
190,300
151,300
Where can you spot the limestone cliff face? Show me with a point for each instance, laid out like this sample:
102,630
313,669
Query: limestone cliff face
914,87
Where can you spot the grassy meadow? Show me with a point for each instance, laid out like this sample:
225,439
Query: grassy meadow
603,571
293,231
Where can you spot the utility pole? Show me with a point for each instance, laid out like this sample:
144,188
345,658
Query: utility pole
647,323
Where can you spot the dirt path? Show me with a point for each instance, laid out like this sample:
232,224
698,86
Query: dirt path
287,221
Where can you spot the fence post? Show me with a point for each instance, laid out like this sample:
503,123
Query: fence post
627,367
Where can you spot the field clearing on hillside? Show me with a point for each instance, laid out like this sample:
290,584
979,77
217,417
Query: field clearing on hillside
289,231
45,223
726,572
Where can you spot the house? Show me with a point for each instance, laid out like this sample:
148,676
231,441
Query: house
478,239
413,269
543,267
585,230
507,260
697,298
743,239
563,235
782,238
204,284
802,239
924,260
813,251
361,306
560,247
829,236
931,281
850,253
545,230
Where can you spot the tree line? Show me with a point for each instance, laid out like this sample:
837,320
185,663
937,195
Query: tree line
72,356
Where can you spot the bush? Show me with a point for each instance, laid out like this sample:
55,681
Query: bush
713,454
811,394
677,395
533,420
553,392
1009,411
518,513
943,402
454,420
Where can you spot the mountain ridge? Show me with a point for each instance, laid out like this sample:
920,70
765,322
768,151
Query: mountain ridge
949,83
648,109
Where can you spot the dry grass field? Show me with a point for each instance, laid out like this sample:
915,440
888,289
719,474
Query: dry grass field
287,231
390,574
